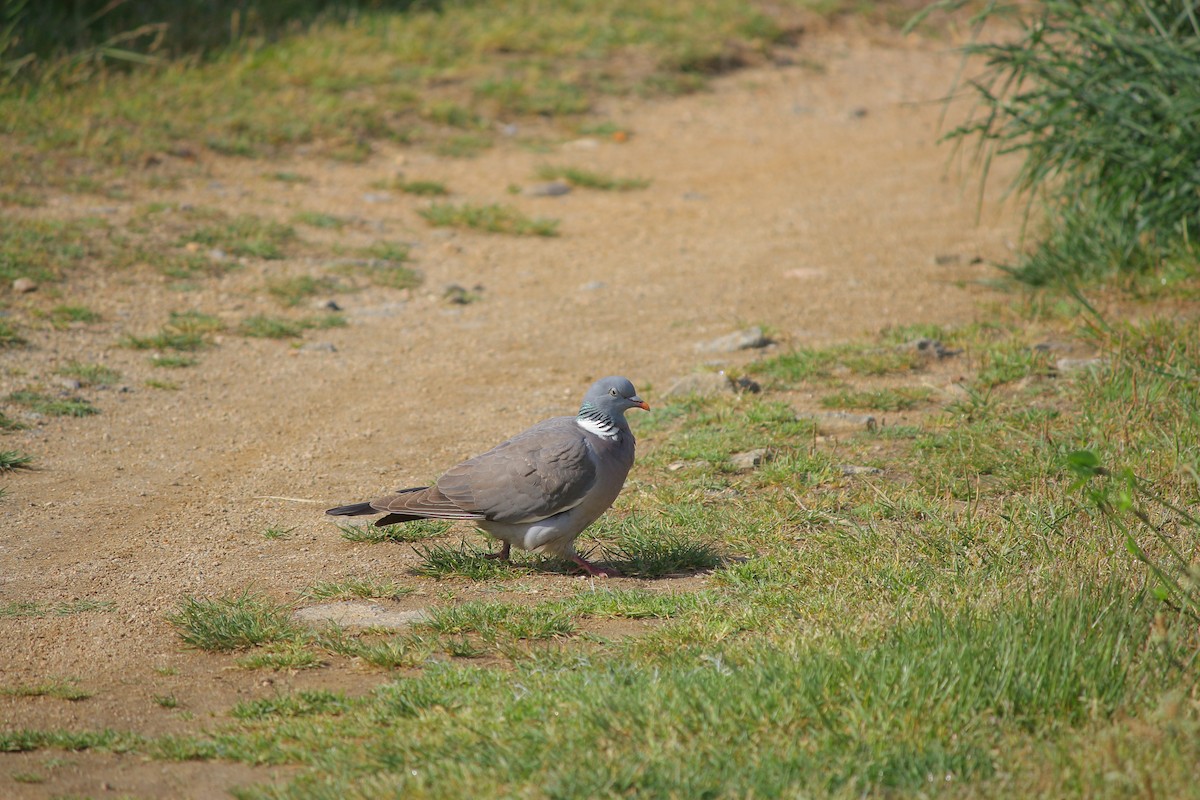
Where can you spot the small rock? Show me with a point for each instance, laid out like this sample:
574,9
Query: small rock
509,130
217,254
840,421
460,295
354,614
376,197
327,305
747,339
1077,364
854,469
858,113
745,384
24,285
750,459
318,347
71,384
694,196
592,286
551,189
930,347
676,466
701,384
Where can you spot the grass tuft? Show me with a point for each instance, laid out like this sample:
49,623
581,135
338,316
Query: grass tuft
233,623
591,180
415,531
352,588
493,218
90,374
12,459
49,406
61,690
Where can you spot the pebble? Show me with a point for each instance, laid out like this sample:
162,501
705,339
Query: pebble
318,347
854,469
71,384
327,305
750,459
354,614
931,347
592,286
376,197
551,189
748,339
24,285
701,384
840,421
217,254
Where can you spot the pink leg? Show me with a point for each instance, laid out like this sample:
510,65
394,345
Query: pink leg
503,555
592,569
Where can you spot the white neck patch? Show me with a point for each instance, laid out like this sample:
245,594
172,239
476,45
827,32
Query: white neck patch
605,430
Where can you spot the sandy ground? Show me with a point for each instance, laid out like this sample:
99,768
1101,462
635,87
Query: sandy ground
813,201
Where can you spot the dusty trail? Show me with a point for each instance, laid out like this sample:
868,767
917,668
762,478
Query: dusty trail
814,202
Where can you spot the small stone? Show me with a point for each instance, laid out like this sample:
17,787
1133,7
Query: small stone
376,197
327,305
217,254
745,384
71,384
354,614
551,189
694,196
930,347
701,384
750,459
858,113
318,347
854,469
509,130
676,466
24,285
748,339
592,286
841,421
460,295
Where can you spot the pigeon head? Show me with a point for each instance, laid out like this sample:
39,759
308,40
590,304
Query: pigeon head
612,397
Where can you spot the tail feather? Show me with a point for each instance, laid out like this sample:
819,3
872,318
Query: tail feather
352,510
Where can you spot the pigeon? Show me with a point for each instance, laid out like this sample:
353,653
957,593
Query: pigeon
539,489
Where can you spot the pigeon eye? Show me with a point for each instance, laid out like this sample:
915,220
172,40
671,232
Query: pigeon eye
613,392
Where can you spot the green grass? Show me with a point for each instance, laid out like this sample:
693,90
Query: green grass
62,316
492,218
276,532
317,219
903,398
173,361
49,406
352,587
416,531
185,332
416,188
42,250
806,364
1094,97
9,337
61,690
441,561
286,656
591,180
234,623
7,423
90,374
13,459
38,610
292,292
263,326
245,235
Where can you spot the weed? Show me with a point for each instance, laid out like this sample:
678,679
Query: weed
245,235
7,423
166,700
494,218
52,406
62,690
294,291
232,623
9,336
277,533
262,326
185,331
659,546
494,621
161,385
289,177
171,361
62,316
417,188
901,398
288,655
445,561
351,588
302,704
591,180
30,609
90,374
415,531
43,250
399,652
12,459
317,219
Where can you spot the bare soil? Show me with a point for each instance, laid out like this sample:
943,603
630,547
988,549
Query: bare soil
815,201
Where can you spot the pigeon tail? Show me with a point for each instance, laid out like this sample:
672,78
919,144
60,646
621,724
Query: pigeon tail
352,510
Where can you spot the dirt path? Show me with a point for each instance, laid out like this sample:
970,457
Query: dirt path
814,202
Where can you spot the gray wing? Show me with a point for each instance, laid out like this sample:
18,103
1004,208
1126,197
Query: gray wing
544,471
